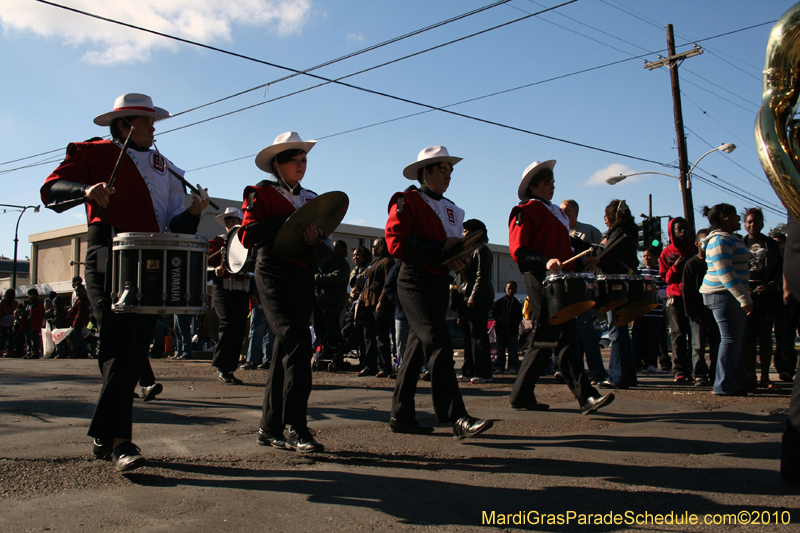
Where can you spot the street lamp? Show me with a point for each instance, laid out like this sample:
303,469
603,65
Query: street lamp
687,192
16,237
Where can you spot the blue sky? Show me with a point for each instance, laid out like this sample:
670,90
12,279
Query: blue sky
61,69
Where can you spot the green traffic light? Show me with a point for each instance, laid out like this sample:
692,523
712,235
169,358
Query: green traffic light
656,242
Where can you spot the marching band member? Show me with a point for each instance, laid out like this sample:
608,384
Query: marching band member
144,198
286,287
423,224
539,242
230,302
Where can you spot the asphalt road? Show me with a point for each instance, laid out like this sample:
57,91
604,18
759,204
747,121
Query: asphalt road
661,451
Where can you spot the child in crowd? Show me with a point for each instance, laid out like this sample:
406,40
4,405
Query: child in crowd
507,314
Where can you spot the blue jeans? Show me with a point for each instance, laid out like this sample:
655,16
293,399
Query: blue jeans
731,375
508,344
621,365
183,336
590,344
259,345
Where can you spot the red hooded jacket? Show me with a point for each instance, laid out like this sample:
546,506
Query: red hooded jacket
671,274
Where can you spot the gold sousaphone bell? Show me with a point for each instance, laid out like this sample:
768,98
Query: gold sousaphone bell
326,210
776,132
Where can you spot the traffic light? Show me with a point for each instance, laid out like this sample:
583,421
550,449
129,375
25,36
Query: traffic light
644,233
655,234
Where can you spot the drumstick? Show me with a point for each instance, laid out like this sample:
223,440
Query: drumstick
573,258
190,186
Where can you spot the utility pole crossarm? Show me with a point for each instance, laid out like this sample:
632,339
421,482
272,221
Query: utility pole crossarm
664,61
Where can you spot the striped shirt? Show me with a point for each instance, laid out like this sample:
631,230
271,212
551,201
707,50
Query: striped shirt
728,262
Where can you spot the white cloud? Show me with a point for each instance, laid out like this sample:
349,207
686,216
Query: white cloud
614,169
357,221
355,37
205,21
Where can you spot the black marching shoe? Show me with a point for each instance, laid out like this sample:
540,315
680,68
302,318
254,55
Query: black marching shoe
102,449
412,429
228,378
302,440
269,438
468,426
532,405
150,393
596,402
127,457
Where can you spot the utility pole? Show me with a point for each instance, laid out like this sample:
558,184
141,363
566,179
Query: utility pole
673,62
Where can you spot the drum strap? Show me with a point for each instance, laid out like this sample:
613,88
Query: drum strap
251,198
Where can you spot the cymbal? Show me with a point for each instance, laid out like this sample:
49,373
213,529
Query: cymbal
464,247
327,210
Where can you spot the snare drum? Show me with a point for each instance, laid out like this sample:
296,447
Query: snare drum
238,259
612,292
568,295
159,273
642,298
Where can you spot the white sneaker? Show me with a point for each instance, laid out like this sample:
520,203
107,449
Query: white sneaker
462,378
480,380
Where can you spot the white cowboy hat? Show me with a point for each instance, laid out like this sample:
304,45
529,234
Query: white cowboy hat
528,175
285,141
229,212
132,104
431,154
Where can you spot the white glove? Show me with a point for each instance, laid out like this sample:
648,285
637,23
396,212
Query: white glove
201,193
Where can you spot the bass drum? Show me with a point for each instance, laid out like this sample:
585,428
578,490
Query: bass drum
159,273
238,259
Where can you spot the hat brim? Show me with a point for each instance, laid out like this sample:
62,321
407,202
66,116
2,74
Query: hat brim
106,119
522,191
222,216
265,156
410,172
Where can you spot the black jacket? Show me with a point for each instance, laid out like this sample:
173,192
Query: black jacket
622,258
475,281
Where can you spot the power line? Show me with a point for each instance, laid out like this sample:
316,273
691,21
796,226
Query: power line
739,195
371,91
306,71
356,53
428,107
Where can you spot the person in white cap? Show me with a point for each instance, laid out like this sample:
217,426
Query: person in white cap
230,296
286,287
423,224
145,197
538,239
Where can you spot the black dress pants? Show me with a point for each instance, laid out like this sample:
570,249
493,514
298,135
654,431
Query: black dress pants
231,308
287,294
563,339
790,451
423,297
124,344
477,351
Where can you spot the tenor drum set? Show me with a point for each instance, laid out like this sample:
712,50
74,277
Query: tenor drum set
629,297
